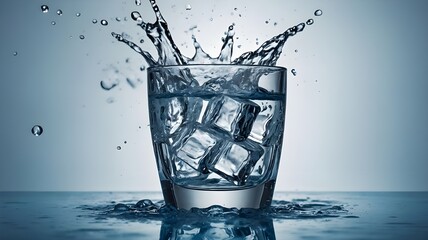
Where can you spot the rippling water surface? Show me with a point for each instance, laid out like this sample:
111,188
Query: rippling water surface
65,215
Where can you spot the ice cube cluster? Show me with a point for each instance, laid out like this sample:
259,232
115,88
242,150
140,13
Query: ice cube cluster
222,136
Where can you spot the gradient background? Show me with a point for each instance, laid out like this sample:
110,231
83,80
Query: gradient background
356,111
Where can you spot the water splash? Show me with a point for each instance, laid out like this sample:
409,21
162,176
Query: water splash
169,54
146,210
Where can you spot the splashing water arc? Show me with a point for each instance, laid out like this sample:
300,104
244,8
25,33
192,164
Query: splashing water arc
169,54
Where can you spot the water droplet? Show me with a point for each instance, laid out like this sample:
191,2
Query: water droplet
110,100
44,8
136,16
142,41
142,68
211,19
104,22
118,19
188,7
53,23
94,21
310,21
235,9
59,12
275,23
15,53
293,71
37,130
82,37
138,2
118,147
296,50
125,142
266,21
318,12
78,14
239,46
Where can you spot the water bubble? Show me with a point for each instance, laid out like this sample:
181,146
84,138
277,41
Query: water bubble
142,68
266,21
125,142
118,19
211,19
138,2
15,53
293,71
59,12
141,40
188,7
296,50
37,130
94,21
310,21
82,37
118,147
318,12
136,16
104,22
275,23
235,9
44,8
78,14
53,23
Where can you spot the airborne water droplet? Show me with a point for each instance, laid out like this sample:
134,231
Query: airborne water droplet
104,22
188,7
78,14
138,2
44,8
310,21
293,71
94,21
118,147
59,12
82,37
37,130
136,16
53,23
318,12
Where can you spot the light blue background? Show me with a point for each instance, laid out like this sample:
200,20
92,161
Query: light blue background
356,111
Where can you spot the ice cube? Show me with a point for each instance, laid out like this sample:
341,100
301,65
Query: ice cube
269,123
235,162
194,145
234,116
167,116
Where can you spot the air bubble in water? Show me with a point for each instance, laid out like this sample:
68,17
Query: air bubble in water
293,71
104,22
235,9
142,41
188,7
59,12
15,53
310,21
318,12
53,23
118,19
138,2
37,130
142,68
118,147
136,16
78,14
82,37
94,21
44,8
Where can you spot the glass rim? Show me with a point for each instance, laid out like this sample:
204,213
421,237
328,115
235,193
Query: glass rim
277,68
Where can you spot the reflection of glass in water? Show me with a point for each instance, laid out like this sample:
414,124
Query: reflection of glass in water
237,228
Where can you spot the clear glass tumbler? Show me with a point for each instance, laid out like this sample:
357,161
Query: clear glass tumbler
217,133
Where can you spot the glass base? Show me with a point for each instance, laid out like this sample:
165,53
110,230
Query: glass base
256,197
